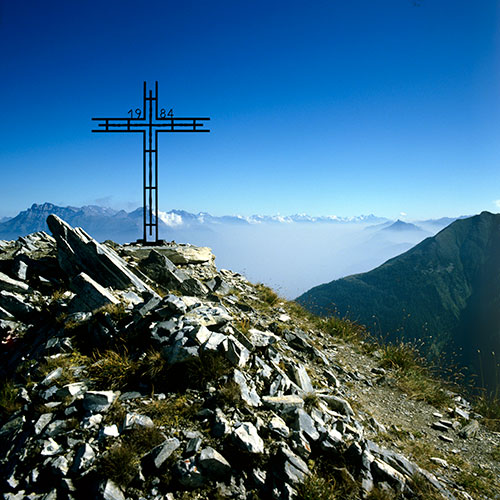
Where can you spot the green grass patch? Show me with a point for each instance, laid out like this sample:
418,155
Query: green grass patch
423,489
316,487
297,311
478,481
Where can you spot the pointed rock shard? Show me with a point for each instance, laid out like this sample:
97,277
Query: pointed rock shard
284,403
234,351
78,252
248,394
262,339
214,463
305,424
50,447
338,404
164,272
248,439
15,304
159,454
469,430
279,427
110,491
294,469
221,425
137,421
89,294
42,422
5,314
84,457
12,285
98,401
302,378
385,472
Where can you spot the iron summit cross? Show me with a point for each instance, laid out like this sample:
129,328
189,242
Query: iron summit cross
146,121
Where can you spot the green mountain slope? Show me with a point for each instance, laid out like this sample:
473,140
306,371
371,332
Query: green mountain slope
446,289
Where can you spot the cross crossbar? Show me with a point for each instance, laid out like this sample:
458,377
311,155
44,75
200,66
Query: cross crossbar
146,122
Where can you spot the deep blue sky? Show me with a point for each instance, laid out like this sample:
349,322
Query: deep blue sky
323,107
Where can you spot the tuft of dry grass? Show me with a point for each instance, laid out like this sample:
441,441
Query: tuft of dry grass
121,462
311,400
413,374
112,370
270,297
67,362
172,412
9,403
117,311
344,329
243,325
328,482
489,407
229,394
316,487
153,366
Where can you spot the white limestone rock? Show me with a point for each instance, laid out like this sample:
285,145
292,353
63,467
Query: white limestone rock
247,438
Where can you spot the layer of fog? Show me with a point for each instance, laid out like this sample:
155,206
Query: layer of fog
292,258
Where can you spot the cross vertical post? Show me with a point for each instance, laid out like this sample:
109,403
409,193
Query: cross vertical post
149,121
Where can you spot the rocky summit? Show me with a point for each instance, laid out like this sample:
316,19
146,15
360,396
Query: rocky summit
147,373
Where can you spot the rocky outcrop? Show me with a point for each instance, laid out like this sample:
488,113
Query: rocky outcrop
78,252
121,392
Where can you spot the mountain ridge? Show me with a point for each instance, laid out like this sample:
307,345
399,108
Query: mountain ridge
428,292
33,218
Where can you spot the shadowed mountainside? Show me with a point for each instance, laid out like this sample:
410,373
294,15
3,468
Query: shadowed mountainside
446,290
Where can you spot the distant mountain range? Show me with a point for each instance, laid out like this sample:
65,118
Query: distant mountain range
446,290
104,223
290,253
176,218
122,226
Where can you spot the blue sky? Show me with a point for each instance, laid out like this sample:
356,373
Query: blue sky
322,107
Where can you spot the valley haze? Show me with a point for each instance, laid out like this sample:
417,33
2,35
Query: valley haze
289,253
